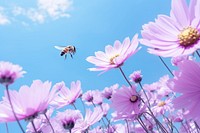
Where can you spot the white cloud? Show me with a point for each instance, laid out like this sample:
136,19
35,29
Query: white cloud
39,13
35,16
18,11
3,18
55,8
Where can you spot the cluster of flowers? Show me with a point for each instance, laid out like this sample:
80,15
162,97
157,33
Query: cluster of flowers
169,105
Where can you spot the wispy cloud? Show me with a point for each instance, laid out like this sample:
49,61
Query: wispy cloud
3,18
55,8
40,12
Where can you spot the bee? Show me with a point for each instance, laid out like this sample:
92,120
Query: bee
66,50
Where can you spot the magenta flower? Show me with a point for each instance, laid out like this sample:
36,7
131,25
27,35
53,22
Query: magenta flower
67,96
187,83
136,76
177,34
126,100
28,102
9,72
114,56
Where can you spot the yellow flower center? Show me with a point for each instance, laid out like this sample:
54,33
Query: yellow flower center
112,59
134,98
160,104
188,36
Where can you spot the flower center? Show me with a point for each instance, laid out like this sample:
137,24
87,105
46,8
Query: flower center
188,36
69,125
31,117
112,59
134,98
160,104
6,79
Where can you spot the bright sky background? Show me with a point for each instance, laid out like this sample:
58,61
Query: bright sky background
30,29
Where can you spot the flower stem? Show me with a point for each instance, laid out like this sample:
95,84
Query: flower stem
198,53
196,126
184,127
32,123
9,99
125,76
166,65
83,106
127,126
49,122
74,106
7,131
142,124
144,93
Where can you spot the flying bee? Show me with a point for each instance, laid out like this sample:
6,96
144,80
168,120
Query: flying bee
66,50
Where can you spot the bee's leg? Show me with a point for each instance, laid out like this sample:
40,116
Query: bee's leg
65,56
71,55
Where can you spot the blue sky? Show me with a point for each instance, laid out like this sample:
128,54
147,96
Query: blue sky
29,31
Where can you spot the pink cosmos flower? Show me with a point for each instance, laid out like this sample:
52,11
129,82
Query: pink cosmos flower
105,108
125,100
28,102
108,91
159,88
40,122
9,72
90,119
177,34
186,82
176,60
136,76
68,118
114,56
97,130
92,97
67,96
162,106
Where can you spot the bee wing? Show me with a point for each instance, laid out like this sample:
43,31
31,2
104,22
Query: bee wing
60,47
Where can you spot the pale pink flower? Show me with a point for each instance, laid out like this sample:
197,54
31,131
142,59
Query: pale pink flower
9,72
177,34
130,116
97,130
159,88
67,96
29,101
162,106
178,116
163,88
176,60
93,97
136,76
68,118
105,108
186,82
108,91
40,122
126,100
116,116
90,119
114,56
